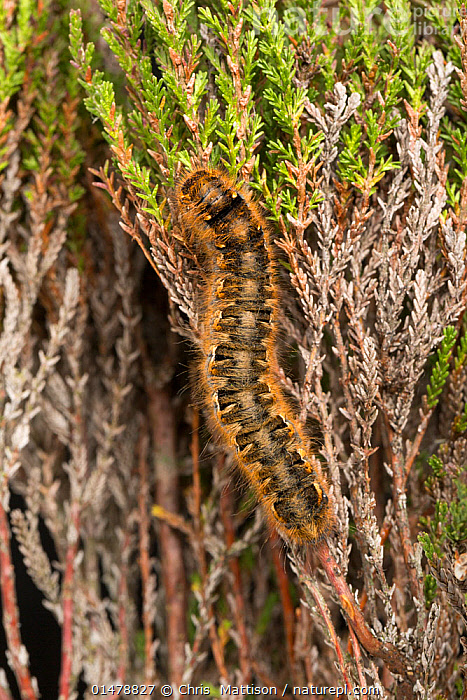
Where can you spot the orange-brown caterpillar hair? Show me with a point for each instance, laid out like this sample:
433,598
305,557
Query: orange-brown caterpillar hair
239,334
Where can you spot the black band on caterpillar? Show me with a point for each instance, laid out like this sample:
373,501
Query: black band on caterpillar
239,334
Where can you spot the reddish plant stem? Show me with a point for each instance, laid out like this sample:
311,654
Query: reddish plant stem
324,611
387,652
144,558
358,657
234,566
67,602
5,694
162,416
288,611
11,622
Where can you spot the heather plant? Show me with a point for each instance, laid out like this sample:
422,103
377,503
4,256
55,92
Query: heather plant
348,123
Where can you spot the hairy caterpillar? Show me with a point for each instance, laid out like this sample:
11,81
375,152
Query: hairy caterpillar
239,334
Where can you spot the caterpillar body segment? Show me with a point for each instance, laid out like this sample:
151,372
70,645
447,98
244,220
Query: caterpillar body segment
239,337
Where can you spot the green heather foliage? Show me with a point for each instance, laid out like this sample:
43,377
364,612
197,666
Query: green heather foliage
440,371
348,121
